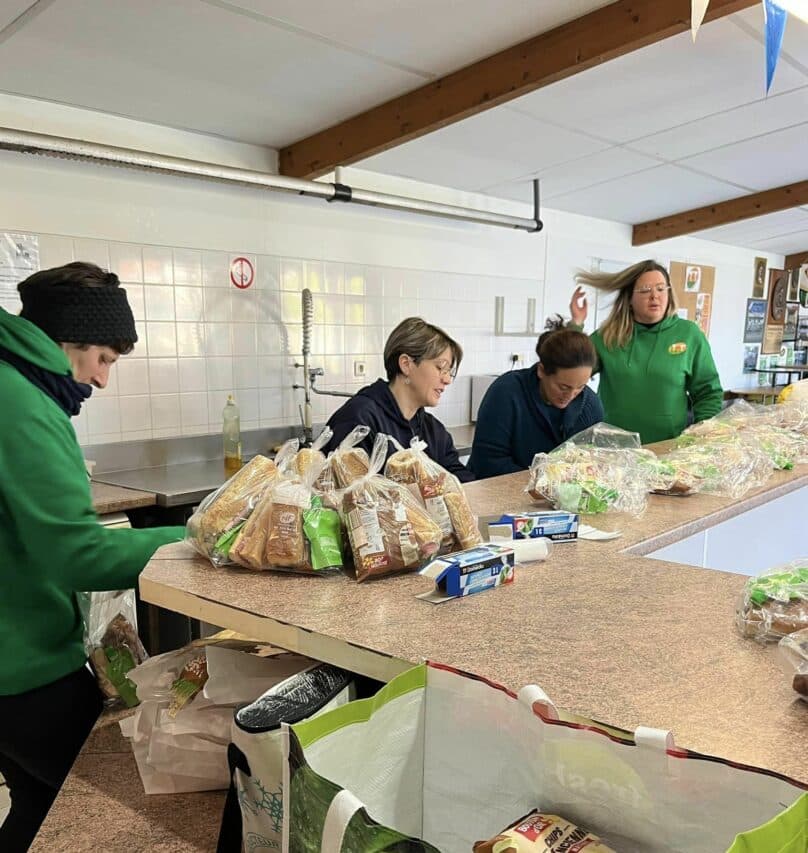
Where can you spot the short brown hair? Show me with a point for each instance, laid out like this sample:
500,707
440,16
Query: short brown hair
419,340
561,349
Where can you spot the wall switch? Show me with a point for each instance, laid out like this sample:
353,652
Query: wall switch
359,368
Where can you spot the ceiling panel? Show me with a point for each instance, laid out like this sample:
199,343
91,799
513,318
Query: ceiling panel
434,37
578,174
10,10
192,65
760,228
646,195
788,244
662,86
795,40
761,163
490,148
760,117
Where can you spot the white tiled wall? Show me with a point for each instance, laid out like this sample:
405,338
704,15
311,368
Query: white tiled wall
200,338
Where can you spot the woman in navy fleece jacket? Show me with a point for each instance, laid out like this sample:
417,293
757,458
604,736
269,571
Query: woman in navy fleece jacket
531,411
421,361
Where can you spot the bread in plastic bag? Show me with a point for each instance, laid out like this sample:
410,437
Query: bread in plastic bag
388,529
310,457
344,465
440,492
602,469
761,427
289,529
112,642
228,506
775,604
543,833
792,651
728,467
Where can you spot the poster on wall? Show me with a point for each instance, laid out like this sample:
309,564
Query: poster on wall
802,330
800,357
792,321
694,288
765,364
794,285
19,257
759,281
755,321
750,357
775,312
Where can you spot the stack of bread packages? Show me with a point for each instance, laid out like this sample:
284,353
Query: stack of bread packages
440,493
278,523
388,529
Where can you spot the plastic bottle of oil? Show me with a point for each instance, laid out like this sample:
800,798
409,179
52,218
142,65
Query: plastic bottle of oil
231,436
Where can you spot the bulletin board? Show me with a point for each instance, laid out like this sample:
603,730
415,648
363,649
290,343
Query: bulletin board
694,287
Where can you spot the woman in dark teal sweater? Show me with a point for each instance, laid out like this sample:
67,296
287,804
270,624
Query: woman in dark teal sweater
654,365
531,411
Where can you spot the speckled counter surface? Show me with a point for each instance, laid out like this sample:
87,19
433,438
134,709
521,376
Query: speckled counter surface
607,633
102,806
108,498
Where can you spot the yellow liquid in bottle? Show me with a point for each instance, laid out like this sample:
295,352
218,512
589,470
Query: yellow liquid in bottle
232,464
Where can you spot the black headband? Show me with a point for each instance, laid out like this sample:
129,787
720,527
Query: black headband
73,313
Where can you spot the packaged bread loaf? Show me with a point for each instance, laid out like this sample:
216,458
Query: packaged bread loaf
543,833
289,528
344,465
793,654
309,457
775,604
388,530
228,506
439,491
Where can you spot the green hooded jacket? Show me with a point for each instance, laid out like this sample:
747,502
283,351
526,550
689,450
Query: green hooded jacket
646,385
51,544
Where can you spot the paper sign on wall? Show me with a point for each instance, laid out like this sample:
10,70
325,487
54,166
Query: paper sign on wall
694,287
19,257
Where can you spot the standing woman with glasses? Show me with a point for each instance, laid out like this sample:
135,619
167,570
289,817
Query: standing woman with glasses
421,361
654,366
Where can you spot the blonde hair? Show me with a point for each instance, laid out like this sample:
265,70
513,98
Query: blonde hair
619,326
419,340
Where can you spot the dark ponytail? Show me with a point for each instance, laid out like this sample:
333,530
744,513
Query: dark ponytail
560,348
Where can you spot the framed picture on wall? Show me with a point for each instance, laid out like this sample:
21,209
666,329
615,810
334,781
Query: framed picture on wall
802,330
792,321
750,357
794,285
759,281
800,357
755,321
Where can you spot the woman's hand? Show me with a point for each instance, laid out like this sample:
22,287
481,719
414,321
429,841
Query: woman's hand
579,307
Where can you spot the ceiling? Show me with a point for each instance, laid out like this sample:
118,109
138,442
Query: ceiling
663,129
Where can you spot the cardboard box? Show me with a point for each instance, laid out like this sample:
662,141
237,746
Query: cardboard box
557,526
468,572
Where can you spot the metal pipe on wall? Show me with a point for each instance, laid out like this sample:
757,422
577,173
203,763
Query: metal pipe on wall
75,149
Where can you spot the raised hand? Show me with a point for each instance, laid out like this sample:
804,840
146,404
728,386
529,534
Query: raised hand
579,307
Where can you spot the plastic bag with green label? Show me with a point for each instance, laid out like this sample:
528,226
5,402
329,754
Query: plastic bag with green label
111,642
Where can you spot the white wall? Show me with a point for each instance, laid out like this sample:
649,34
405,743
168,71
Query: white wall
372,268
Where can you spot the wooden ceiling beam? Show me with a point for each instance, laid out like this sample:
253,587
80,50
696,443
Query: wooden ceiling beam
580,44
796,260
723,213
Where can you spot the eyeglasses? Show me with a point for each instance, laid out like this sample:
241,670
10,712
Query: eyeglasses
446,371
647,291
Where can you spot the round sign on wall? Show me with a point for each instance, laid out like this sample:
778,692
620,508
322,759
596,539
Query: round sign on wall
242,272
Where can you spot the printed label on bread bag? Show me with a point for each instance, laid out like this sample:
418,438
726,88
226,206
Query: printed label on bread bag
677,348
439,513
366,531
409,547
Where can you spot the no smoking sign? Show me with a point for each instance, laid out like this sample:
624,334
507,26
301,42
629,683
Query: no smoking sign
242,272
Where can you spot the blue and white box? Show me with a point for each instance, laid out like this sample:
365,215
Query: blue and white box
466,572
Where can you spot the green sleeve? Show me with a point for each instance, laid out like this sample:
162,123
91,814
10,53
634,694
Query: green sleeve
703,383
50,511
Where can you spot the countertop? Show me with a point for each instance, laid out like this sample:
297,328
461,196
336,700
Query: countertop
190,482
606,632
108,498
102,806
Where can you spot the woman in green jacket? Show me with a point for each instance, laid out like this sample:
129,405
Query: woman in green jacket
654,366
75,322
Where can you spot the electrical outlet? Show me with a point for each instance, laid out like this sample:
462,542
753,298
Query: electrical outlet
515,358
359,368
